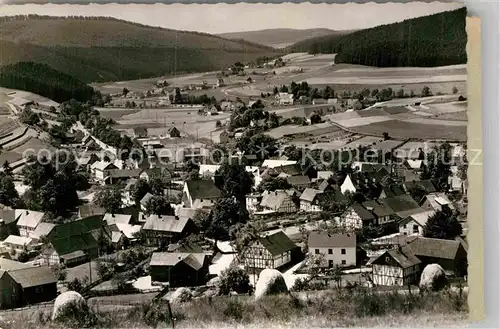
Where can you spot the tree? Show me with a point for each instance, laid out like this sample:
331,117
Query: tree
60,272
400,94
218,124
54,183
315,118
234,279
426,91
275,90
109,199
439,165
417,192
234,181
23,257
386,136
27,116
158,205
374,92
274,183
8,192
125,91
454,90
227,215
443,225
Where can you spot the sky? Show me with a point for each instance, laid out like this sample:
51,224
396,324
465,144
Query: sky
222,18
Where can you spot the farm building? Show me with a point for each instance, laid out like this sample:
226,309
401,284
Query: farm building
425,185
450,254
336,249
101,170
43,229
8,221
272,251
173,132
395,268
162,230
220,83
179,269
299,182
27,286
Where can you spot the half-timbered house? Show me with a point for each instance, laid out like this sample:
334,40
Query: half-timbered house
272,251
395,268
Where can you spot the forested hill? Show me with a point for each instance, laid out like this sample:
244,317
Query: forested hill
45,81
103,49
434,40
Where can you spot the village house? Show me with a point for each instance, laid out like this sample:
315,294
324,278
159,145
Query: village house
127,192
101,170
425,185
396,268
18,243
357,216
140,132
209,110
269,163
173,132
252,202
278,201
299,182
27,221
347,185
121,176
179,269
220,83
437,202
162,173
414,224
162,230
90,209
449,254
309,200
335,249
272,251
26,285
284,98
200,190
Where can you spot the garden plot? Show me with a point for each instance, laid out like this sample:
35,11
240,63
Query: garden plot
364,141
387,144
279,132
414,147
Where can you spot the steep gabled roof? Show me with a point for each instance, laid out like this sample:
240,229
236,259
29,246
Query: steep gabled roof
166,223
404,259
434,248
29,218
277,243
362,212
194,260
203,189
326,240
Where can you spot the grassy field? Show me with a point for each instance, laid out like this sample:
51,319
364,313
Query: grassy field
331,308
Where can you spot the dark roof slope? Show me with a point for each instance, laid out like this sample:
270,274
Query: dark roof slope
362,212
435,248
400,203
203,189
34,276
404,259
76,227
277,243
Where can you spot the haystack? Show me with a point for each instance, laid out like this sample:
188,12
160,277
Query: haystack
69,300
270,282
433,278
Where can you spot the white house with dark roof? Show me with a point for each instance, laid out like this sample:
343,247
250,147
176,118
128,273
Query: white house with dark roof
28,221
347,185
284,98
357,216
336,249
414,224
396,268
100,170
200,190
278,201
18,243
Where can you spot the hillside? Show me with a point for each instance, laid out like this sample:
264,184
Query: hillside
279,38
103,49
45,81
433,40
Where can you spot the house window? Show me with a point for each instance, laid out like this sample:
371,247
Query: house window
387,259
415,228
404,226
330,251
260,252
342,251
343,262
316,251
330,263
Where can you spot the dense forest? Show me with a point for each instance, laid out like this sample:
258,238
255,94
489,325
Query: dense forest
45,81
428,41
105,49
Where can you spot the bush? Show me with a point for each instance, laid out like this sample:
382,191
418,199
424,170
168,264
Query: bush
153,313
234,279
